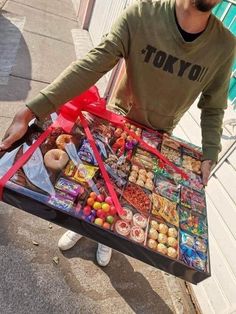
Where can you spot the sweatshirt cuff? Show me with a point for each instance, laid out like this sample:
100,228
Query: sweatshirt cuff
210,153
40,106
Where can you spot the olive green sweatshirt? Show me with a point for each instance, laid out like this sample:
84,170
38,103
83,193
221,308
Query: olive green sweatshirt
164,74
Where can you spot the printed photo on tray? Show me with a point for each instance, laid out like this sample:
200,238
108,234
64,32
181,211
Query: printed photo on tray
192,222
131,224
162,237
193,199
167,188
162,207
193,251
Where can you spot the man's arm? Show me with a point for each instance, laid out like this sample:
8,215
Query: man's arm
84,73
212,103
79,76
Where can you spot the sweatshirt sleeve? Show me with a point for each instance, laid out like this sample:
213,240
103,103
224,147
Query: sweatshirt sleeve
212,103
84,73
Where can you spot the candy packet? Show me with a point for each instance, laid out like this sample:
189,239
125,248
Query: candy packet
165,208
193,199
192,222
68,186
190,253
61,202
194,181
167,188
172,154
191,164
85,152
152,139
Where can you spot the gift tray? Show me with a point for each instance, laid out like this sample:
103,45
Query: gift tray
131,188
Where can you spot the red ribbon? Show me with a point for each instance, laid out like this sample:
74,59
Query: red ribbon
89,101
101,165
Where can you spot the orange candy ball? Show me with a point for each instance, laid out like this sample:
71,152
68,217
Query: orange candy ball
90,201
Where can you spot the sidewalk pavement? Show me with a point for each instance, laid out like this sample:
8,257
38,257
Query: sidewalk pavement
31,282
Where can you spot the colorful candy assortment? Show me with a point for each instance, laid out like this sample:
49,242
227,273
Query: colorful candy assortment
144,160
159,211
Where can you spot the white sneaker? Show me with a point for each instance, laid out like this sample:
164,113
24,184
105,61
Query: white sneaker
68,240
103,255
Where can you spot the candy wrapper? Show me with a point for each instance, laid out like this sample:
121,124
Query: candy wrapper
144,160
86,154
82,174
193,251
167,188
194,181
191,164
193,222
70,187
165,208
172,154
194,200
58,201
153,139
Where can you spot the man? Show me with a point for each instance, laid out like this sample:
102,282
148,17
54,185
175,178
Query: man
174,50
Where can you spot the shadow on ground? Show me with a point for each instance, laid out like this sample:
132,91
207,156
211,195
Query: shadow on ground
12,43
141,298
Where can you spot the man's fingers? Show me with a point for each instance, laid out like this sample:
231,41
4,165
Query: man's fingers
7,141
205,177
206,170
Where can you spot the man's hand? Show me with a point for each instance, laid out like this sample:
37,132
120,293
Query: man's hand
206,170
17,128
